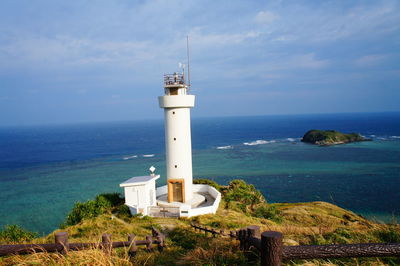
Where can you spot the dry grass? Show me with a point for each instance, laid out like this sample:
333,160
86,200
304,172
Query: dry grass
90,256
302,223
220,251
355,262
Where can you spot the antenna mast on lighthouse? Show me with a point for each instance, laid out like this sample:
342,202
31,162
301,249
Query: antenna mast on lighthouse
188,60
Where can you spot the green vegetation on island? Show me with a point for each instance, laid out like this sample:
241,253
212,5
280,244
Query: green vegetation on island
242,205
330,137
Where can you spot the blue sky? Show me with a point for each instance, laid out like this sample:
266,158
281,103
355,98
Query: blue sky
77,61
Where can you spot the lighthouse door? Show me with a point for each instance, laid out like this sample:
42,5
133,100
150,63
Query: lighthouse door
176,190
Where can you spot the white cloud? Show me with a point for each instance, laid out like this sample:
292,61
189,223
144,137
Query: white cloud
208,40
265,17
308,61
354,23
369,60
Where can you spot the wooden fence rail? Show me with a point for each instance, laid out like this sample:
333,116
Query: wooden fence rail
62,245
273,252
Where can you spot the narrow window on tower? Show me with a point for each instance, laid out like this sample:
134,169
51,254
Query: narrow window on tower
174,138
173,113
176,166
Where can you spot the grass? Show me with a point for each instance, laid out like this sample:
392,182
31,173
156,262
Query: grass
300,223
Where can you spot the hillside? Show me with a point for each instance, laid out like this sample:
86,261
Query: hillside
330,137
301,223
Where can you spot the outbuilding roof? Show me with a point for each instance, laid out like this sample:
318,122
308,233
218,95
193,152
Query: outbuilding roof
138,180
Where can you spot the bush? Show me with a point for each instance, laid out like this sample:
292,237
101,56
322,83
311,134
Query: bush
186,239
339,236
246,194
268,212
123,212
389,236
92,208
226,224
14,233
207,182
110,199
215,224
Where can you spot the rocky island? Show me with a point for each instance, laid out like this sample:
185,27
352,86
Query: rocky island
330,137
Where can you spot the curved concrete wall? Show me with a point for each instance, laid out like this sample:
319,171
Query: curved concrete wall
201,210
209,209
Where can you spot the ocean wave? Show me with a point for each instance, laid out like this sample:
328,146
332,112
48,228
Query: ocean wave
148,155
130,157
395,137
258,142
381,138
291,139
225,147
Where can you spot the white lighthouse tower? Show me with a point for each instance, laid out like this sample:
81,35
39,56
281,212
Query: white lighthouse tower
180,197
177,103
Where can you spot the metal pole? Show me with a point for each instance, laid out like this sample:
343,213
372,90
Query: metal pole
188,60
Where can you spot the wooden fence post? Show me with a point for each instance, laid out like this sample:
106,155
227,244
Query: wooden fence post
132,247
213,232
271,248
149,244
239,237
160,243
242,238
62,239
106,242
252,231
245,239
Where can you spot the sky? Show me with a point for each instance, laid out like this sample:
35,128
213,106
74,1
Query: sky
103,60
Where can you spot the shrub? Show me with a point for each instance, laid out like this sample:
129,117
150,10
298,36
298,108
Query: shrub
123,212
339,236
268,212
216,224
389,236
147,218
246,194
14,233
186,239
110,199
92,208
207,182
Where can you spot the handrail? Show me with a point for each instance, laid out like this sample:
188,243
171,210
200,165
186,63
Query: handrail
62,245
272,251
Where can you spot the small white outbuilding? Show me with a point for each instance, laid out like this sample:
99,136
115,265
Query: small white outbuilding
140,192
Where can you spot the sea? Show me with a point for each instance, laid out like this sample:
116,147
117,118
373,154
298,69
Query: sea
45,170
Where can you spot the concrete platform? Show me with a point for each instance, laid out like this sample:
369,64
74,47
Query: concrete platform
197,200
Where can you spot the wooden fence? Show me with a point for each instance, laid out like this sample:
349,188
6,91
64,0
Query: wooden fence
62,245
273,252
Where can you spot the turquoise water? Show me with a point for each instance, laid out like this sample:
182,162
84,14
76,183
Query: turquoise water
43,177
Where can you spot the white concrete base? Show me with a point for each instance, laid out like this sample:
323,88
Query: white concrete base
205,200
195,201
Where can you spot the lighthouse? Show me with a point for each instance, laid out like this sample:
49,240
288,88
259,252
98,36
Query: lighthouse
179,197
178,144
